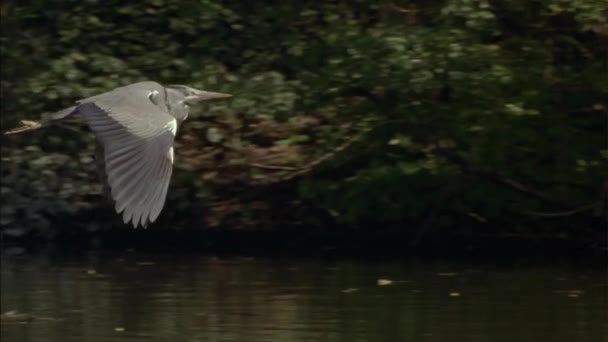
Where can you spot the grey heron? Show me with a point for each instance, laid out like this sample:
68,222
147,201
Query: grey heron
135,127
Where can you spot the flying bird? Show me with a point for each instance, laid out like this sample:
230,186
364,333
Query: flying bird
135,127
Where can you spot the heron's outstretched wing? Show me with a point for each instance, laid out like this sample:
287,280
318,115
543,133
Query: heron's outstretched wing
136,137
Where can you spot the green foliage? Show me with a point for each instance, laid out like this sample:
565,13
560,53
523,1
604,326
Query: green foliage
516,88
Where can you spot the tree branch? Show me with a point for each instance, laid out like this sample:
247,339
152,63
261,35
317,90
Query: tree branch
468,167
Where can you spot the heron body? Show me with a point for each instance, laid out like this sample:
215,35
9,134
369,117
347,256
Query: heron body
135,127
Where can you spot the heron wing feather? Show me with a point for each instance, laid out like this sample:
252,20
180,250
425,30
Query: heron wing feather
137,137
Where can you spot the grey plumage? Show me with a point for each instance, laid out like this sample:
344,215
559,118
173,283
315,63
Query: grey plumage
135,127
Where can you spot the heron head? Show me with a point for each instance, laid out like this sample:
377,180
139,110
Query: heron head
193,96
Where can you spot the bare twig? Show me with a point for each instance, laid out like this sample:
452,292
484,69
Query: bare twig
275,167
580,209
497,178
396,8
313,164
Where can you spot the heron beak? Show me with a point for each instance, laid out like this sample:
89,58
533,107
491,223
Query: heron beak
202,95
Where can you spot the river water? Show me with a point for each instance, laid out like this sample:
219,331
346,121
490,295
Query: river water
136,297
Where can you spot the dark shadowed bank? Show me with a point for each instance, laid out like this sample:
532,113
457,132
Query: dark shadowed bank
401,127
330,241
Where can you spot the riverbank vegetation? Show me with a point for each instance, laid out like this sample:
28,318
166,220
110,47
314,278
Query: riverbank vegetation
470,116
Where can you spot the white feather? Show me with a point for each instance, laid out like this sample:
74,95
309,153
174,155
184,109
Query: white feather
172,126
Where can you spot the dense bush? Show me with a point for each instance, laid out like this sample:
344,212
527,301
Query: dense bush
462,110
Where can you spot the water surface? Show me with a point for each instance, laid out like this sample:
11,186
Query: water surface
135,297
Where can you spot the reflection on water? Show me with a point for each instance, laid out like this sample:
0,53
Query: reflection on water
129,297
